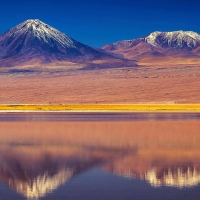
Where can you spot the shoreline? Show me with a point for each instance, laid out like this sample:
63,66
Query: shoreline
100,108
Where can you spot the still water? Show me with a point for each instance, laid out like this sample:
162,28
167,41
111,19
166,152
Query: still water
99,156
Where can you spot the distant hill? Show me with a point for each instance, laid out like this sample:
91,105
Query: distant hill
158,45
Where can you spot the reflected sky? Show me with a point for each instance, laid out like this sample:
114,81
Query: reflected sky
39,157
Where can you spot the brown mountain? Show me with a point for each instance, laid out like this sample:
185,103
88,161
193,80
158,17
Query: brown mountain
36,42
159,45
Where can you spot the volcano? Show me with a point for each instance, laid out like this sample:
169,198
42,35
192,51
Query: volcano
159,45
34,39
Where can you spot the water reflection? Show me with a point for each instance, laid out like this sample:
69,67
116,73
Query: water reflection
180,175
37,157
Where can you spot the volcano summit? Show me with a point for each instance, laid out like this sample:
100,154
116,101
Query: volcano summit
159,45
34,39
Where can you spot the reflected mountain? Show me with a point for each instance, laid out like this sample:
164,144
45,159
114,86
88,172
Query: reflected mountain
36,178
39,186
37,157
178,176
34,174
183,176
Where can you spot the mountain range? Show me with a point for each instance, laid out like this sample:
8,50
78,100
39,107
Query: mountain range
177,44
33,41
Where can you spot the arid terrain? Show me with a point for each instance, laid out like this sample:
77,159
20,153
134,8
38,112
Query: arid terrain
143,84
41,65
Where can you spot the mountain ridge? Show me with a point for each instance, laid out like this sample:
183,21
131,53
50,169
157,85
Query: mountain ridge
172,44
35,42
151,38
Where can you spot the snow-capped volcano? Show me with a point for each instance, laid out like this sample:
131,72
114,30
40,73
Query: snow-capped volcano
44,33
35,39
176,39
158,44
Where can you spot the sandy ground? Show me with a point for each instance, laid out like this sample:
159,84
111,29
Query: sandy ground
144,84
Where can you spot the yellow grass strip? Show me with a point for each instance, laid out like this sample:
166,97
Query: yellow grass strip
104,107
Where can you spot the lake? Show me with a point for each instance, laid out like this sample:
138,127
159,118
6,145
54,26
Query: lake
95,156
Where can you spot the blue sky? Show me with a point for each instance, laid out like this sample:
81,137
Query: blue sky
97,23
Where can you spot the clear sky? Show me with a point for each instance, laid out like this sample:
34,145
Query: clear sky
97,23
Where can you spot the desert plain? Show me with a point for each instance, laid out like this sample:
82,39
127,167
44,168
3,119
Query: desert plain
163,83
40,65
